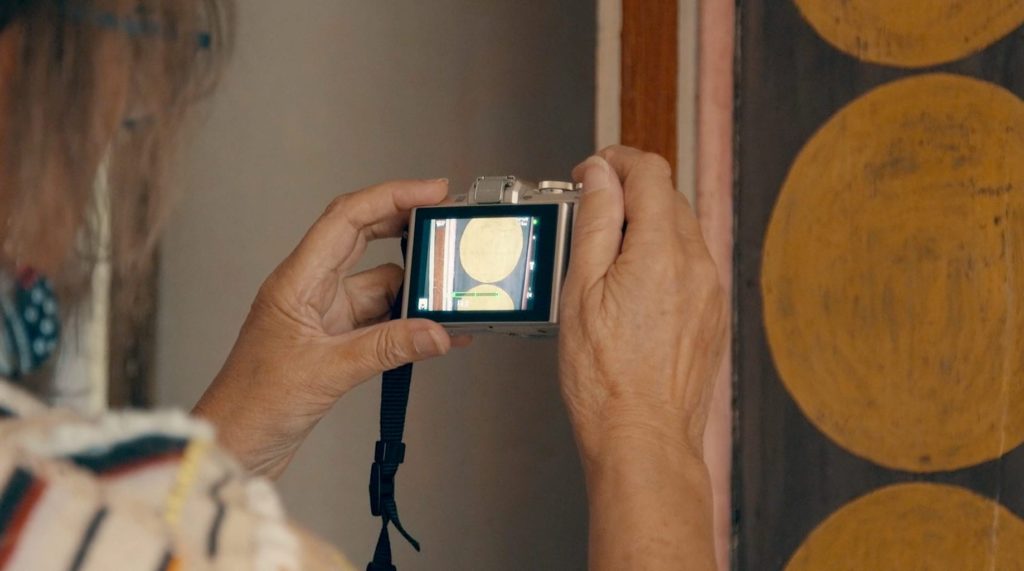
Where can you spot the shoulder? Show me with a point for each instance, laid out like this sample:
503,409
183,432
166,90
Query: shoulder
153,484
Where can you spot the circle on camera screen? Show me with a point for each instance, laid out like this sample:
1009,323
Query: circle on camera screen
490,248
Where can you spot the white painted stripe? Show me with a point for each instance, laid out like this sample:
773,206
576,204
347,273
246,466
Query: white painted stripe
608,128
431,252
686,104
451,232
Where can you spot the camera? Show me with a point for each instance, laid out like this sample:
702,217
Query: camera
493,260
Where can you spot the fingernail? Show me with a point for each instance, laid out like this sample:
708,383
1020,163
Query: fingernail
462,341
596,174
437,180
427,343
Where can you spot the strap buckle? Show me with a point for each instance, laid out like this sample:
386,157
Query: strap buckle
376,488
389,452
386,458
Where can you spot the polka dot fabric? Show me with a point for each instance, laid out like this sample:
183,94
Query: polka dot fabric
31,324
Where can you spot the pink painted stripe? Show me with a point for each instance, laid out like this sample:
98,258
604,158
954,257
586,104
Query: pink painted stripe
715,210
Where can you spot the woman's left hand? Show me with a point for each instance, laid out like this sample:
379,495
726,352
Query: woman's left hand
314,332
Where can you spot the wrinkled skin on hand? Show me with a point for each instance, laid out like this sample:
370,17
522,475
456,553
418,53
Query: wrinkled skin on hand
314,332
643,326
643,314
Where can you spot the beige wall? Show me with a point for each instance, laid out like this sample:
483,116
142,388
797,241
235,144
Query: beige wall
325,97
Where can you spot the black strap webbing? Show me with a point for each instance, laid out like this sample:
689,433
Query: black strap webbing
388,455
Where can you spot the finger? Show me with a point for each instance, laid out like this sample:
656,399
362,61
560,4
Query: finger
461,341
371,294
597,227
370,351
652,203
339,237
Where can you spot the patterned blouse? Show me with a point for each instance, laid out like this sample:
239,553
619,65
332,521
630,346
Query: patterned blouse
135,491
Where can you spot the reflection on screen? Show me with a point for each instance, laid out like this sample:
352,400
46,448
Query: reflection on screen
481,264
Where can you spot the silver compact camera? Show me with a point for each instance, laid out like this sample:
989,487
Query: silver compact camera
492,261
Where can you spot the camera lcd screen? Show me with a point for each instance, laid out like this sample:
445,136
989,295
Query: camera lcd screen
483,263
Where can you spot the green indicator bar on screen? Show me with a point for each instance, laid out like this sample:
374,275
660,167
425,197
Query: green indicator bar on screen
459,294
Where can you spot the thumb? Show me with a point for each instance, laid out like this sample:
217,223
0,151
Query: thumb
597,232
373,350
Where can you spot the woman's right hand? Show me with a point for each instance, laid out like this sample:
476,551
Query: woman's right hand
643,321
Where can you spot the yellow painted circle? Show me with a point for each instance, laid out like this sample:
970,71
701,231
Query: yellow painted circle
491,247
915,526
892,275
487,297
912,33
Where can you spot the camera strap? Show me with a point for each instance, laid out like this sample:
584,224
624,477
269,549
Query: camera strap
389,453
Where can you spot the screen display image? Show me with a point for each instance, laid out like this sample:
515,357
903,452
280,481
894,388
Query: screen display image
483,264
480,264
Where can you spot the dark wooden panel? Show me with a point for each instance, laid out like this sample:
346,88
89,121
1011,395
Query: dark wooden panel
787,476
132,338
650,63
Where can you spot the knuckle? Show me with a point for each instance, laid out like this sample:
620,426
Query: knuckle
657,163
359,209
337,205
350,209
618,150
274,299
270,288
394,275
387,350
261,304
392,269
611,150
615,154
